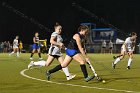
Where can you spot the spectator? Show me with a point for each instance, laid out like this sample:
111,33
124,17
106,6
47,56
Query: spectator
103,49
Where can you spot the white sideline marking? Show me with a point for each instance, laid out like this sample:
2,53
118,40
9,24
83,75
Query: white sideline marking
74,85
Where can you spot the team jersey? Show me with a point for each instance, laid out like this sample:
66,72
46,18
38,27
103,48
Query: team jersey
110,44
15,43
36,39
103,44
129,45
54,49
128,42
73,45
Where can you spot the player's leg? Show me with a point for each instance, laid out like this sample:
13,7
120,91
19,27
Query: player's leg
32,53
42,62
39,53
65,63
17,50
12,51
65,70
130,54
119,59
82,62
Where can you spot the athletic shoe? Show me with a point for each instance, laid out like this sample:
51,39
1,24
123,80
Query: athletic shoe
31,64
128,67
89,78
113,65
70,77
114,57
48,76
31,58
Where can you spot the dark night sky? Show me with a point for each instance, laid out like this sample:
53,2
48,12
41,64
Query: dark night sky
124,14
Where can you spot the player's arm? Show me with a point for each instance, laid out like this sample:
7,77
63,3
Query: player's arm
78,41
52,41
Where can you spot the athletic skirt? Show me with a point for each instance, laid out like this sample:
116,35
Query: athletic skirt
35,46
71,52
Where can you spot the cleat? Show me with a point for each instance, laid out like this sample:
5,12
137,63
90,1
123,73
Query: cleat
48,76
113,65
89,78
128,67
114,57
70,77
31,64
31,58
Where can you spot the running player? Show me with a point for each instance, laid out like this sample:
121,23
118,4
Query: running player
72,52
36,46
127,48
54,52
15,46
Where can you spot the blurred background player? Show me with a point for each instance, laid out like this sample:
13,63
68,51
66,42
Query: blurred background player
15,46
36,46
20,46
103,49
54,52
74,51
110,47
127,48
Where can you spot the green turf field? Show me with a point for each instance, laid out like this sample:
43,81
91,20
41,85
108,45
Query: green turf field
119,80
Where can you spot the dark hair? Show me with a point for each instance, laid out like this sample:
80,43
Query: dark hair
57,24
83,27
133,33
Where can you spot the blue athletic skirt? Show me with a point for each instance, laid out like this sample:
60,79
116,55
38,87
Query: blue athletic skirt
71,52
35,46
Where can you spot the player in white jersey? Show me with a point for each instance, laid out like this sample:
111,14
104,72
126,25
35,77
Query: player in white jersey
127,48
54,52
15,46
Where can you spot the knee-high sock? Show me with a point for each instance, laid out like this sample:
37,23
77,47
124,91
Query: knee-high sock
39,54
39,63
129,61
117,60
57,68
84,70
32,54
66,71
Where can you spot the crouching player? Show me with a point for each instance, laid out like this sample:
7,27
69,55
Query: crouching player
127,48
72,52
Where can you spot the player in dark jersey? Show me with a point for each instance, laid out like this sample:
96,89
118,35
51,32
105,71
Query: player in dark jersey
36,46
75,51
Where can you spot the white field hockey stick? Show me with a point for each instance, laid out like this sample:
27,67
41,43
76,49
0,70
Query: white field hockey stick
94,72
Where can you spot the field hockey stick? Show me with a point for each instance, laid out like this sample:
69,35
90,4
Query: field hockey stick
94,72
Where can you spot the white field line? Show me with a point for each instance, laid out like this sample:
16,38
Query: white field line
74,85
